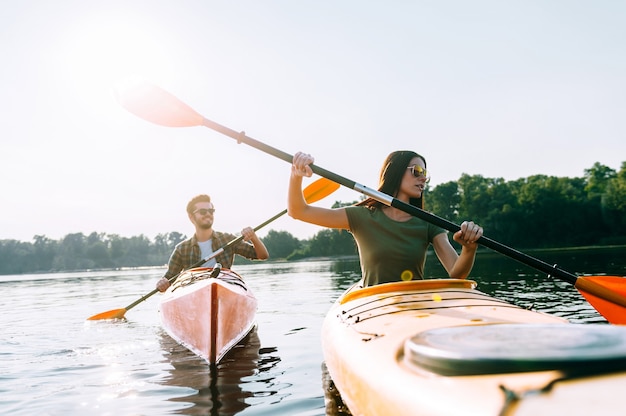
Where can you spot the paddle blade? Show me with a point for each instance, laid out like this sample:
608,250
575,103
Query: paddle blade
607,294
319,189
157,105
112,314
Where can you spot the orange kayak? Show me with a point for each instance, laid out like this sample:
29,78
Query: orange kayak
208,311
441,347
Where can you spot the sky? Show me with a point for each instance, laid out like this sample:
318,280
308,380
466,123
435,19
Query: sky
502,89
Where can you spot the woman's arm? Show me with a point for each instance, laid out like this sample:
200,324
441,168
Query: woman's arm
297,206
458,266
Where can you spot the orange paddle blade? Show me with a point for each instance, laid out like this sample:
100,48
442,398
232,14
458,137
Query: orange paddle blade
112,314
157,106
607,294
319,189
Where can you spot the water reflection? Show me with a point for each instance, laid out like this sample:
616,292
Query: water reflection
524,286
587,261
333,402
345,272
225,389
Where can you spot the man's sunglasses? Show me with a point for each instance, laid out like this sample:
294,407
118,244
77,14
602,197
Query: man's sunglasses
204,211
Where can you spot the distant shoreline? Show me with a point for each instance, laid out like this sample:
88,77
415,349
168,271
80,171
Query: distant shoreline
482,252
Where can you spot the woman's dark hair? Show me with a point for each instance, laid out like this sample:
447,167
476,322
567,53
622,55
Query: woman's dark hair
391,175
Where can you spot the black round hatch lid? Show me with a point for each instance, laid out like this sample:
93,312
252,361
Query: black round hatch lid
508,348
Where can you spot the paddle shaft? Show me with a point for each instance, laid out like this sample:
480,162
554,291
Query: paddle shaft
540,265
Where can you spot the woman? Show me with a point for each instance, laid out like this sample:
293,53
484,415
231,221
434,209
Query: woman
392,243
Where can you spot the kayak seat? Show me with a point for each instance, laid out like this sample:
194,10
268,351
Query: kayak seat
513,348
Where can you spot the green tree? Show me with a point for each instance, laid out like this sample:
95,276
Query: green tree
44,251
597,178
137,251
14,256
556,212
164,244
475,201
116,249
444,200
280,244
71,253
329,242
614,206
97,251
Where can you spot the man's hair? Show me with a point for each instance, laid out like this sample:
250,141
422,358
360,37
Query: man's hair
198,198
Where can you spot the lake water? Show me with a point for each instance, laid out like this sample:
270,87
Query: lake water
54,362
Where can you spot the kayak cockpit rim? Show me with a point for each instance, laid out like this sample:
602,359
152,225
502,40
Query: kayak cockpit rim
430,284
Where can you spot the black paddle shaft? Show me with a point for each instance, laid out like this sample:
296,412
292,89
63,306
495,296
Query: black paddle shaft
540,265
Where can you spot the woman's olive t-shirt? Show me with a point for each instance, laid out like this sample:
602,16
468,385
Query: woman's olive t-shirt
390,250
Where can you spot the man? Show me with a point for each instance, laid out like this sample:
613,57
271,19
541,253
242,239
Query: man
206,241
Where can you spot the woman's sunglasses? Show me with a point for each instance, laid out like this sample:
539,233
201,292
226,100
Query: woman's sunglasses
418,172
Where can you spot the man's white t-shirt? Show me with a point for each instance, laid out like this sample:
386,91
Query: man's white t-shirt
206,249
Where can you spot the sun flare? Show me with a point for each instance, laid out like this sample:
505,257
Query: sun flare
100,54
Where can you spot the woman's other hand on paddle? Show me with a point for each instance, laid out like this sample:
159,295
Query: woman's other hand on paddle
300,164
468,234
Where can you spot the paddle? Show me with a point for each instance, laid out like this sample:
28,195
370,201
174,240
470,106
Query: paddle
316,191
606,293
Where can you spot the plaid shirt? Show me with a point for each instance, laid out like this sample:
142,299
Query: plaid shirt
187,253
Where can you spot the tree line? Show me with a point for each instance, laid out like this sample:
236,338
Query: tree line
535,212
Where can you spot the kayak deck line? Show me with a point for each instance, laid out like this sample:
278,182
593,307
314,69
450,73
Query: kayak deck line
413,301
436,296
